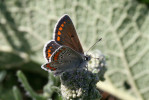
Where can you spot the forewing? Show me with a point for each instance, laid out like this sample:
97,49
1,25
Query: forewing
65,53
68,57
65,34
49,48
62,60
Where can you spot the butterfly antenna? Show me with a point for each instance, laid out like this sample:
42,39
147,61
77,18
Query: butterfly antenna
94,44
96,58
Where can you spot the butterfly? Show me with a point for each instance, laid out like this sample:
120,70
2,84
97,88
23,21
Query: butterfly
65,52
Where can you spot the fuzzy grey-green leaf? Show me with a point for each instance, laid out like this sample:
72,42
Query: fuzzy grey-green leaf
25,26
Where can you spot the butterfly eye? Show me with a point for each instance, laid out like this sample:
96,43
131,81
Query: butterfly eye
86,58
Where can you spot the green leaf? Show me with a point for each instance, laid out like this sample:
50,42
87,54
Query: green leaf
17,93
25,26
28,88
2,75
6,93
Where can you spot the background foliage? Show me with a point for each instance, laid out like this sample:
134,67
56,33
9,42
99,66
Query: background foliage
25,26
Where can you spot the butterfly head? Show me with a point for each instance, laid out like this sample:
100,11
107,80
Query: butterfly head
87,57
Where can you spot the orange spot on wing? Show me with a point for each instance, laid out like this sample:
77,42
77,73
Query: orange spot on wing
49,50
62,25
60,28
57,54
58,38
52,68
49,54
48,66
59,33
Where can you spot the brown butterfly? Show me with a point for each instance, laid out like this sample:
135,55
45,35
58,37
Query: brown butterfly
65,52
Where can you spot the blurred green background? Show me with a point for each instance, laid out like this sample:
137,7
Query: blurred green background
123,25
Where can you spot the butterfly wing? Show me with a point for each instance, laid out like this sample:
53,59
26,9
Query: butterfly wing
65,34
63,59
49,48
52,67
65,54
